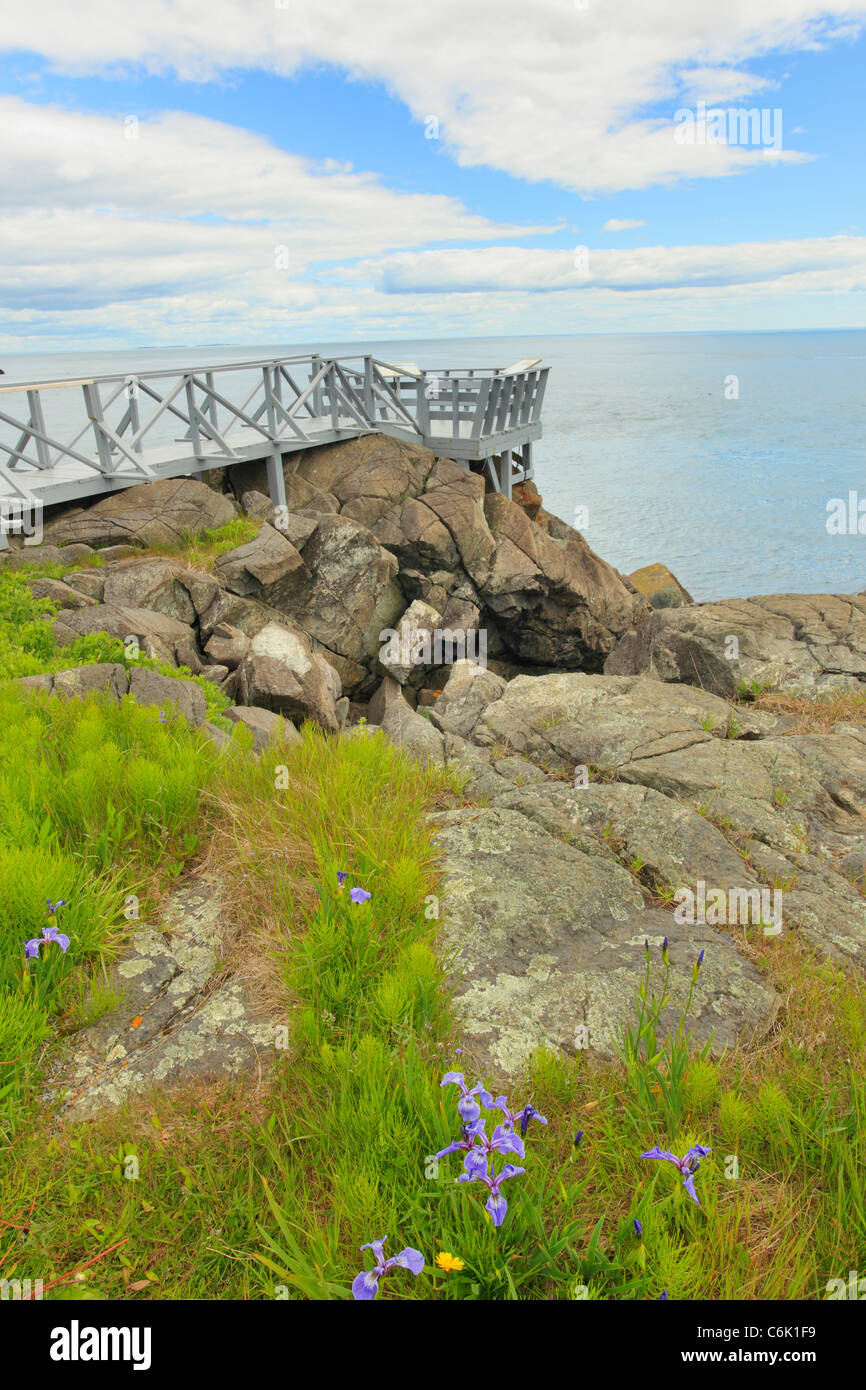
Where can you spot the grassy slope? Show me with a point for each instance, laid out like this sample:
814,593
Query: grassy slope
268,1190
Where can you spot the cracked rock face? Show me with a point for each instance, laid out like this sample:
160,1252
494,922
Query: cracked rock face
801,644
179,1019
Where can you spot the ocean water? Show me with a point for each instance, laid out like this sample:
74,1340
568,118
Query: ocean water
714,453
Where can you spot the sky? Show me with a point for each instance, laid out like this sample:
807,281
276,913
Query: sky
233,171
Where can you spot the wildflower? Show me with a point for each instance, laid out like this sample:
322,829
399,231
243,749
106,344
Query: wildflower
449,1262
359,895
468,1107
469,1133
646,946
665,950
496,1203
341,877
365,1285
577,1138
696,968
663,1296
52,907
162,716
638,1228
517,1117
49,935
688,1165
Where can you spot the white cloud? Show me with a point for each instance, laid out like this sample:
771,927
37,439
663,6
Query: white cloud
621,224
543,91
819,263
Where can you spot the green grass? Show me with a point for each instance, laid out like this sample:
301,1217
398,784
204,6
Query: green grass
267,1190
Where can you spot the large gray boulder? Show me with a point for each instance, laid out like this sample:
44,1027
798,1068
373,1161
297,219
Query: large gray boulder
801,644
268,568
661,769
159,513
555,601
160,585
350,597
279,673
468,692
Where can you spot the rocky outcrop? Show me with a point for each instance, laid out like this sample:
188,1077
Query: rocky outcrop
644,793
160,513
796,643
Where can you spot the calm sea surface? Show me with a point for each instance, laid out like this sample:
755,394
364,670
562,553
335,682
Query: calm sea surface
730,493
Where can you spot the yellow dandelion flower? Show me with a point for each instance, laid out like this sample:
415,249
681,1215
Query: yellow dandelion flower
449,1262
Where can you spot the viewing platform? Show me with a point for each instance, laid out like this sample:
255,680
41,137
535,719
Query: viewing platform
64,441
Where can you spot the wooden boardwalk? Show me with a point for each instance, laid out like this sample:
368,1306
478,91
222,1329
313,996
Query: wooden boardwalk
69,440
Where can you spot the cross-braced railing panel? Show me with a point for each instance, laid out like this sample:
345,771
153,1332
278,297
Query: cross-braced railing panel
72,438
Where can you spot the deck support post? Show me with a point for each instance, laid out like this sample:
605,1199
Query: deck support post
505,472
276,479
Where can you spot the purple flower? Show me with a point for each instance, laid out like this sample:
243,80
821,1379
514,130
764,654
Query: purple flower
516,1117
359,895
577,1138
638,1228
365,1285
688,1165
665,950
341,877
470,1133
49,935
467,1106
496,1203
52,907
663,1296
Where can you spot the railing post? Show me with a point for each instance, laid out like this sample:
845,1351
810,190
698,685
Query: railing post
369,401
194,435
317,390
424,406
93,406
37,420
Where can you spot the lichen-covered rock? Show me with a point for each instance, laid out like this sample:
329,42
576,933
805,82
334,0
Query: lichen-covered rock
412,732
108,677
548,941
348,599
660,586
66,595
470,689
179,1019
